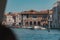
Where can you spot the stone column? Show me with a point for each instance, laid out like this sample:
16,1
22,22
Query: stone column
22,20
37,23
32,23
28,23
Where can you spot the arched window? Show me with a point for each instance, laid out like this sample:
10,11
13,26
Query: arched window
30,22
39,23
34,22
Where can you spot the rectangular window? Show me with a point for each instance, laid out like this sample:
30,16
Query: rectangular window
44,16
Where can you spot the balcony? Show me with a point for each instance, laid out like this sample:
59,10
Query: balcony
39,19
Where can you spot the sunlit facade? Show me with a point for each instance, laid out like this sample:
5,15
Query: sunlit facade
12,18
35,18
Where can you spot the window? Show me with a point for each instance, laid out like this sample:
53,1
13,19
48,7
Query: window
44,16
34,16
38,23
34,22
31,23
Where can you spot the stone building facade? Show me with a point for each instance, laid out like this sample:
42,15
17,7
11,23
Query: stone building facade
35,18
56,15
12,18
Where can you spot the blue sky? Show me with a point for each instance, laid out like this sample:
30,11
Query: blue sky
24,5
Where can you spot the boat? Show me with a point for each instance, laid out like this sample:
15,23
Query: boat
36,27
39,27
42,28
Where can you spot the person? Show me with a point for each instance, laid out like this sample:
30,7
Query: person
5,33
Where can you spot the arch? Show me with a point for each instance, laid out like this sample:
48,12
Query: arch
39,23
34,22
30,22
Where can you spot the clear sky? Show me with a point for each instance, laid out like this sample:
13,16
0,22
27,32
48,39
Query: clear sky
24,5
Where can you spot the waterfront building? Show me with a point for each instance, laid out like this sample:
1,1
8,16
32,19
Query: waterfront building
56,15
12,18
17,18
8,19
35,18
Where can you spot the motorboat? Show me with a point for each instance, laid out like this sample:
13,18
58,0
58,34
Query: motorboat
42,28
36,27
39,27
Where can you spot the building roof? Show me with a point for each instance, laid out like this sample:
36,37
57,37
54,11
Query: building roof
29,12
35,12
11,14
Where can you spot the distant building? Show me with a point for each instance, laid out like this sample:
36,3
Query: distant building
33,18
8,19
12,19
17,18
56,15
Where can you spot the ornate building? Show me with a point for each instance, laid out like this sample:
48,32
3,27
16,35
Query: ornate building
33,18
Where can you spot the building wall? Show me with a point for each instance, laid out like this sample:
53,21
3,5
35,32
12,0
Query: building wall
12,19
39,20
9,20
56,15
59,19
18,19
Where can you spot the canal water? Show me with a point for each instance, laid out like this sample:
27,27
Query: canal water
28,34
